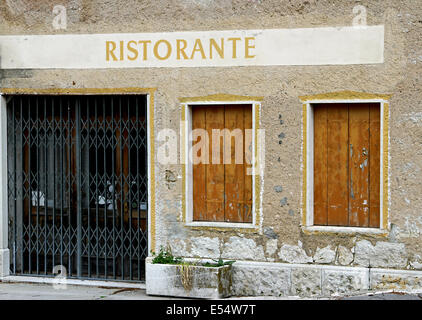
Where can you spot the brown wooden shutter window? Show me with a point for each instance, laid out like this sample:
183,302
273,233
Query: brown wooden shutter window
347,165
222,192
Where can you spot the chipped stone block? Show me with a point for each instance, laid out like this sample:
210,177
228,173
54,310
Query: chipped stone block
178,248
256,279
242,249
343,281
306,281
382,255
279,279
205,247
384,279
389,255
344,256
416,263
271,248
325,255
364,250
293,254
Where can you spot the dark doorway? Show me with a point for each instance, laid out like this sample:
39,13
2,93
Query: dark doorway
78,189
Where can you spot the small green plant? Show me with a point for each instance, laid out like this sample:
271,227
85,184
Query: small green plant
166,257
218,263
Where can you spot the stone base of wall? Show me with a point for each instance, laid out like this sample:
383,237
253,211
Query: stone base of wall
382,279
278,279
4,262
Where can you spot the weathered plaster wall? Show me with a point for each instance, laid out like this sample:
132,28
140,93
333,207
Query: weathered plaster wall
281,239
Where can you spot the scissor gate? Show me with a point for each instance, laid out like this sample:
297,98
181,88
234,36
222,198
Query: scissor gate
77,185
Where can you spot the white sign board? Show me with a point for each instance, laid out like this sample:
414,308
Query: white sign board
269,47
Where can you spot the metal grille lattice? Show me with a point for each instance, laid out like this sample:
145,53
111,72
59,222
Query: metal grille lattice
77,185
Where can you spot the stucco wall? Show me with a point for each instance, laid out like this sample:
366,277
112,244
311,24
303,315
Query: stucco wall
280,238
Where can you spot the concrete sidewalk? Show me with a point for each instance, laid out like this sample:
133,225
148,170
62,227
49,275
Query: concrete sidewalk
40,291
36,291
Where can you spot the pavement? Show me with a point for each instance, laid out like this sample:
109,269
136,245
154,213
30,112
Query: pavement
31,291
38,291
387,296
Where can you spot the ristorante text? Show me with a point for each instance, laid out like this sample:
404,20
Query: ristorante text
181,49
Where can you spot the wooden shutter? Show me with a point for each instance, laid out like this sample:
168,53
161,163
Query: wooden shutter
214,183
222,192
374,165
346,165
199,170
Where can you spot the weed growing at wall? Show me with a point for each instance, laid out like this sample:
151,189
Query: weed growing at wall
166,257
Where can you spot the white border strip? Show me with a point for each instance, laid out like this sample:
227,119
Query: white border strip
310,170
188,173
345,45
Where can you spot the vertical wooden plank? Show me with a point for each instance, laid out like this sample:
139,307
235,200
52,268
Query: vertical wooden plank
359,165
215,171
374,165
337,164
320,165
234,178
199,169
247,212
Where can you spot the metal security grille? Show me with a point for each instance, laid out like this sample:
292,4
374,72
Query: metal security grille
77,185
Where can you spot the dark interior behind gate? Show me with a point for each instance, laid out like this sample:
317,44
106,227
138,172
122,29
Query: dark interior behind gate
77,183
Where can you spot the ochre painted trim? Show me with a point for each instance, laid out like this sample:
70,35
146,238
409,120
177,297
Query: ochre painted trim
385,167
309,232
127,90
345,95
257,169
152,172
224,229
184,161
257,198
304,157
220,97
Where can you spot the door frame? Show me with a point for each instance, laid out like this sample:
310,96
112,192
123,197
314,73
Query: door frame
149,92
307,209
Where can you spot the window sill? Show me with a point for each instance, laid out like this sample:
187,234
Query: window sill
218,225
313,230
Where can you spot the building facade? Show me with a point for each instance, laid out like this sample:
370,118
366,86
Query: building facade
98,136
